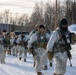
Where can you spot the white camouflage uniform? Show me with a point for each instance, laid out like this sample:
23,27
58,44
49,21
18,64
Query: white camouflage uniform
39,53
11,44
21,49
59,57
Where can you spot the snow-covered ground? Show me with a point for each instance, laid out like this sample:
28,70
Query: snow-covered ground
72,28
15,67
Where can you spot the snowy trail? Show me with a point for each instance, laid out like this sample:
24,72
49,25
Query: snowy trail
15,67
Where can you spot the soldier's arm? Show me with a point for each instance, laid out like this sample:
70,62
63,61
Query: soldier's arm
32,39
50,45
52,40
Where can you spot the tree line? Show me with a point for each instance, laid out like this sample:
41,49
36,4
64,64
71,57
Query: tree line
43,14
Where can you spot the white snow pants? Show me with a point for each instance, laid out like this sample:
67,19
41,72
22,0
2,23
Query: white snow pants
60,63
40,60
22,51
2,54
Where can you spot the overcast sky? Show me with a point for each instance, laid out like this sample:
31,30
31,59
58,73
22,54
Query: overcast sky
18,5
21,6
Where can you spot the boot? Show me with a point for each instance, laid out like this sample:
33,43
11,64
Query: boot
13,54
19,58
45,68
39,73
24,60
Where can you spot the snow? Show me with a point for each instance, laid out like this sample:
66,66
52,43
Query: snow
14,66
72,28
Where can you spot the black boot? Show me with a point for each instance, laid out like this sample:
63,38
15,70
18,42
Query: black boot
19,58
45,68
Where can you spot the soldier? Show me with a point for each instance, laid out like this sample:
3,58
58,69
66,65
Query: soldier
31,33
59,47
5,41
37,46
13,38
14,49
22,46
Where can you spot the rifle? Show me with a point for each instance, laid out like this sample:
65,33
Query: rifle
68,47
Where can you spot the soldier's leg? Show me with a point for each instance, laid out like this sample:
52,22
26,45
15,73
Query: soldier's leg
10,50
64,62
58,65
4,55
13,51
16,54
20,55
25,55
2,58
44,58
38,64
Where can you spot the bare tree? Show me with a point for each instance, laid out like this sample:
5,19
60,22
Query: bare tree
37,15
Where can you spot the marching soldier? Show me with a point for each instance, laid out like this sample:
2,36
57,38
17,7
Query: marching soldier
5,42
22,46
31,33
59,47
37,46
13,38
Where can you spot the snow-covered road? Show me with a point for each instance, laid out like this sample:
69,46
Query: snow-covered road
15,67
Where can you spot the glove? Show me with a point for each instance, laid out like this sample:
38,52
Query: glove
30,50
74,37
50,55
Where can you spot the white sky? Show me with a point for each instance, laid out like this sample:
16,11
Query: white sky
21,6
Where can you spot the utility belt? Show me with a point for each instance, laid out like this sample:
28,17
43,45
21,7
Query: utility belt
43,46
40,46
61,48
56,51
